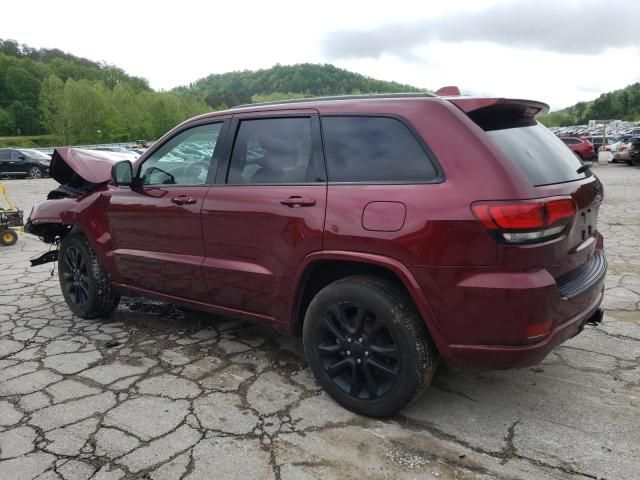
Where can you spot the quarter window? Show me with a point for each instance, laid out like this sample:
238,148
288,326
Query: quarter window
183,160
373,149
271,151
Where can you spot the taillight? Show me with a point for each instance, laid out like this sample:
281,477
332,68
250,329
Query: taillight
525,221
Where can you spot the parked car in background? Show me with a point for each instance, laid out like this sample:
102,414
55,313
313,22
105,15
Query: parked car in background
634,151
355,222
23,162
622,155
129,154
597,143
582,147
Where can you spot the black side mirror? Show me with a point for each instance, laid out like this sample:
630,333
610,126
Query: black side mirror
22,157
122,173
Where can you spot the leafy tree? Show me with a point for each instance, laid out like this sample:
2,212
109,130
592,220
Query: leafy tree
26,118
6,122
51,95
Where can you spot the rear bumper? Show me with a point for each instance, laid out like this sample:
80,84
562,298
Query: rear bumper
491,319
503,357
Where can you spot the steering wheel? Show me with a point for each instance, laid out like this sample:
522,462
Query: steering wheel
196,172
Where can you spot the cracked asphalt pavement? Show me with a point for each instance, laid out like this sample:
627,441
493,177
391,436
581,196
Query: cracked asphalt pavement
161,392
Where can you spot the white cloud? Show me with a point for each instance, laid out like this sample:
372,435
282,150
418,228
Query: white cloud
173,43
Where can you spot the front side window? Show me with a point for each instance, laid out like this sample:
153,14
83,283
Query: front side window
184,160
373,149
271,151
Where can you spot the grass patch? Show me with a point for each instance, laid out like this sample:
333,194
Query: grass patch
29,141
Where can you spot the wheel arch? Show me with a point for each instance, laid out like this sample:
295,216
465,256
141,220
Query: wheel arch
323,268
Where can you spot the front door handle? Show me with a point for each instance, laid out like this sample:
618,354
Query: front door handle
298,201
183,200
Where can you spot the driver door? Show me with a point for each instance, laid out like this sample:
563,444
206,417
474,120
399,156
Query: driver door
156,226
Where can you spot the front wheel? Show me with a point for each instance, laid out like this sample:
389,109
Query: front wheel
84,282
365,345
34,172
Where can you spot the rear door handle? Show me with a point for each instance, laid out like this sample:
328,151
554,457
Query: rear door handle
183,200
298,201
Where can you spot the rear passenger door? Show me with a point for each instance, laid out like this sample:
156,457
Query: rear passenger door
265,212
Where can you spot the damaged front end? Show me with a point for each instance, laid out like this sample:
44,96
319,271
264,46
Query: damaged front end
81,173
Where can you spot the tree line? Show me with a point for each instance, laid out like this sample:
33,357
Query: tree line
44,91
76,100
623,104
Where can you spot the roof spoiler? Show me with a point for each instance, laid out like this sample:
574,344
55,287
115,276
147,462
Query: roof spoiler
448,91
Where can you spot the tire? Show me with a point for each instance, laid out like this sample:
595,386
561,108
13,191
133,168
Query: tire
34,172
84,282
388,352
8,237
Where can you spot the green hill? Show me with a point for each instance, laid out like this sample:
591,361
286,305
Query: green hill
47,95
623,104
283,82
24,69
47,91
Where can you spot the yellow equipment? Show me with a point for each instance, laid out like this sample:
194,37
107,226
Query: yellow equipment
11,219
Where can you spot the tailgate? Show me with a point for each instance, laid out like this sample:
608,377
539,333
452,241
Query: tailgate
578,245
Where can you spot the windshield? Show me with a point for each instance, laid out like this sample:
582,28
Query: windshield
35,154
541,156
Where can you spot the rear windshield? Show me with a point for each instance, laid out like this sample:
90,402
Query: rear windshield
541,156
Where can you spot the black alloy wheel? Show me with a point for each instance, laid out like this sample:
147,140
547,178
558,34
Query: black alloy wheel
367,345
74,276
358,352
85,283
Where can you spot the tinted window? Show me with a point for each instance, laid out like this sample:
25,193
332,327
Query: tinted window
373,149
570,141
272,150
183,160
5,154
539,154
35,154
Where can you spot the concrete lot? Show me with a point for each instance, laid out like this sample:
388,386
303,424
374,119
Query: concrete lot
163,393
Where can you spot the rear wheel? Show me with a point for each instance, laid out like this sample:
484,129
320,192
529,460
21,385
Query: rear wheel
366,347
8,237
85,283
34,172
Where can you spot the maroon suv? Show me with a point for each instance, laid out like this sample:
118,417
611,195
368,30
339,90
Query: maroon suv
388,231
580,146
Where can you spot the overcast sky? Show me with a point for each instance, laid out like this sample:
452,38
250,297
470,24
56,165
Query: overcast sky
557,51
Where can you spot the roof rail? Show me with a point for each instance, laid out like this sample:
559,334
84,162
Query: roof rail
337,97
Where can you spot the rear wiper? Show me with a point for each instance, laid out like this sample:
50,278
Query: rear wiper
583,168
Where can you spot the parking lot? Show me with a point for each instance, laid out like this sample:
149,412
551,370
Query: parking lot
160,392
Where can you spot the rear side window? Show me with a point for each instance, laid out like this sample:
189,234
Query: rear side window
542,157
271,151
373,149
